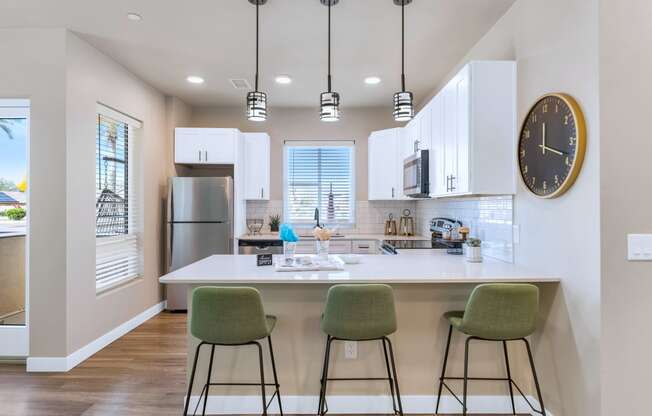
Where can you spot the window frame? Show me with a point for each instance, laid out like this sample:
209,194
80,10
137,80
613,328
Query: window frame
130,245
320,143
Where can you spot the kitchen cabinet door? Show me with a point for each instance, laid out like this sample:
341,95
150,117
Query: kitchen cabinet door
460,181
450,135
411,134
220,146
437,168
188,146
257,166
384,165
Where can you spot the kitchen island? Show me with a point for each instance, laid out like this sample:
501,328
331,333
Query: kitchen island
425,286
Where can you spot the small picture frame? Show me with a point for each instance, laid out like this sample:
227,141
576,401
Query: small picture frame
264,260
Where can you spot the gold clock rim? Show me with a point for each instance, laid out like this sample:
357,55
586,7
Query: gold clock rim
578,161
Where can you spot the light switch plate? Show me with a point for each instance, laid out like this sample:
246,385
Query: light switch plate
639,247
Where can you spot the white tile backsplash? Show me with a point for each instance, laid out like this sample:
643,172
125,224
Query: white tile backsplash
370,215
490,218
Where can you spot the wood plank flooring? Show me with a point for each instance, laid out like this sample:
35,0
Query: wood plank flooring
141,374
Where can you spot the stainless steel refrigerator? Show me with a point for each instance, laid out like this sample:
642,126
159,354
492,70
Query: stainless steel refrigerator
199,224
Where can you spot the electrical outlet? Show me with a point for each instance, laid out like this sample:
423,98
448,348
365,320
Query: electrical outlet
350,350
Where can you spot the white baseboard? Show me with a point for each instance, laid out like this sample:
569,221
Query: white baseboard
63,364
300,405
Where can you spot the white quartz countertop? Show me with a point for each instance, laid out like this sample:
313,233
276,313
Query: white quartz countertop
403,268
380,237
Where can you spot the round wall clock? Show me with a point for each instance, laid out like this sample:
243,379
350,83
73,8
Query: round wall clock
552,145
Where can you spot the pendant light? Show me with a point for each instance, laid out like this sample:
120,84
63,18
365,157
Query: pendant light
329,101
403,107
256,100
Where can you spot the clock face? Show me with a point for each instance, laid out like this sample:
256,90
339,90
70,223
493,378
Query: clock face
551,145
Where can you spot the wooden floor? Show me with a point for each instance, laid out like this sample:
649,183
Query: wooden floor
141,374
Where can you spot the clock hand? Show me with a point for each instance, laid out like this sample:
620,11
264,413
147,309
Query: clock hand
543,138
560,153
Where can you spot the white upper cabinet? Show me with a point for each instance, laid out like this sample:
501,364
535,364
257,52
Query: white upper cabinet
385,165
257,160
475,128
206,146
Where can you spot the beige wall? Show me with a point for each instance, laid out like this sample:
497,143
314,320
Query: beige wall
626,183
36,70
93,77
303,123
555,44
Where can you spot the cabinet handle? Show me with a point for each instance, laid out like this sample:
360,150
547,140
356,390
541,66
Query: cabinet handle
262,194
452,186
205,155
392,192
199,155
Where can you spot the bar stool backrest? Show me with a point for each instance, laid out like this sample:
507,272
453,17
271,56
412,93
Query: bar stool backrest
500,311
227,315
359,312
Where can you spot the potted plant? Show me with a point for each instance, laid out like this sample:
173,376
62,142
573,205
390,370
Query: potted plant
274,222
473,250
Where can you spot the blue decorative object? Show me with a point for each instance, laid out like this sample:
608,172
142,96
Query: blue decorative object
287,234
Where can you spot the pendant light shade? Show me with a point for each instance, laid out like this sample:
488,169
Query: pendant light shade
403,100
256,100
329,101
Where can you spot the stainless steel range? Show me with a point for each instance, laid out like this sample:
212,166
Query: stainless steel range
439,227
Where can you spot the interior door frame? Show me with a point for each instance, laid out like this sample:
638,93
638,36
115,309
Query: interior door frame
14,339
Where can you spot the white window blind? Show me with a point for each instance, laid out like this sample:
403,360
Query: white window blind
319,175
118,246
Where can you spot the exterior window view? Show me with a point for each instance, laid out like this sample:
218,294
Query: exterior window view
13,215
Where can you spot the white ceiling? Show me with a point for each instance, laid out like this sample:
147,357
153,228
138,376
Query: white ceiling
215,39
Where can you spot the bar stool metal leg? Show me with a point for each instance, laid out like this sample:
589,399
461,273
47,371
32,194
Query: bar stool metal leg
534,374
389,377
466,374
208,379
443,368
509,377
192,379
398,391
324,378
262,377
278,386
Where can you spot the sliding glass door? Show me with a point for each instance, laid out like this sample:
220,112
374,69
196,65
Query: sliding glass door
14,219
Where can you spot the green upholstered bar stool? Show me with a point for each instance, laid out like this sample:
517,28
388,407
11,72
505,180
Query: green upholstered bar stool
500,313
231,316
360,313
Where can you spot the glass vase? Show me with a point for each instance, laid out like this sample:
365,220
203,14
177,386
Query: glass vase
321,248
289,249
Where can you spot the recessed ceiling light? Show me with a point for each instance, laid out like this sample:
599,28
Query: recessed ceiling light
372,80
283,79
193,79
135,17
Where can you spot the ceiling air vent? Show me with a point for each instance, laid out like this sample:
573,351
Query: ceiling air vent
240,84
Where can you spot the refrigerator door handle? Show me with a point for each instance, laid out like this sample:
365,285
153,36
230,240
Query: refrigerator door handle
170,242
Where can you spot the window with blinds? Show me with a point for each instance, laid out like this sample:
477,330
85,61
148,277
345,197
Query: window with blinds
319,175
118,245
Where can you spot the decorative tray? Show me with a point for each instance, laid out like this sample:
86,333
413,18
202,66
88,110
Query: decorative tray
309,264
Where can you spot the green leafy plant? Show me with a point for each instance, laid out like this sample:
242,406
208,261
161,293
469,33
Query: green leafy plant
474,242
274,222
16,213
3,213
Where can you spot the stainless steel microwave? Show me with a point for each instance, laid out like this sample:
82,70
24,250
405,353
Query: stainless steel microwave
416,176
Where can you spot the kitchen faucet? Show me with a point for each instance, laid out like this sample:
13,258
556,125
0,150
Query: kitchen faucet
317,218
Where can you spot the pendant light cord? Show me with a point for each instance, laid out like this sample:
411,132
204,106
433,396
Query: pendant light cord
329,45
256,80
403,46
